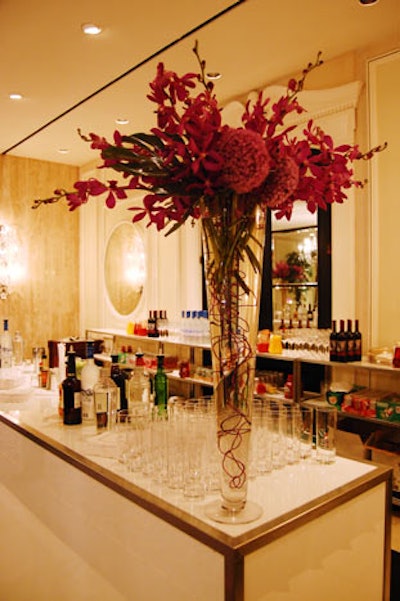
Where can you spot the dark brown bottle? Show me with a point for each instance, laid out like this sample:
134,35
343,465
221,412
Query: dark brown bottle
333,343
71,392
357,342
349,341
341,343
120,378
152,330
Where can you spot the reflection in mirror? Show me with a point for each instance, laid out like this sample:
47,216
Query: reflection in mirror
125,267
295,270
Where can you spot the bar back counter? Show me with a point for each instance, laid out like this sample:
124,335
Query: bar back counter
77,526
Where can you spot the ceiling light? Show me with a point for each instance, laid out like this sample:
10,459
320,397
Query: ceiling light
213,75
63,150
15,96
91,29
122,121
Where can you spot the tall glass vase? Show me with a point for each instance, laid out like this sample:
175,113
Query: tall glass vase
233,246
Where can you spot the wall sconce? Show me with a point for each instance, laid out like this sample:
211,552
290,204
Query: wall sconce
11,267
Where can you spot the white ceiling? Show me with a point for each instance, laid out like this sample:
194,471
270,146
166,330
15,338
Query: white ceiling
45,57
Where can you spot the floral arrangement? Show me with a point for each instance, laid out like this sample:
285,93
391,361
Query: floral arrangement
193,166
190,164
295,268
289,273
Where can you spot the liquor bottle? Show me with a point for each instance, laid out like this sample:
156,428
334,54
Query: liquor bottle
333,343
43,371
71,393
310,314
161,325
89,376
165,323
6,346
119,377
122,355
138,385
341,343
18,348
159,322
302,313
152,331
349,341
288,387
357,341
161,387
105,400
130,357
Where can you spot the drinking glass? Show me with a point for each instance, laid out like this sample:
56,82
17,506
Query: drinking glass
175,443
130,433
325,426
195,437
155,460
261,439
306,430
278,416
292,432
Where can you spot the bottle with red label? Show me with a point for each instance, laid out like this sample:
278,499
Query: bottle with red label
288,387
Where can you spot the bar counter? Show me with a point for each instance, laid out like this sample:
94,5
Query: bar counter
77,526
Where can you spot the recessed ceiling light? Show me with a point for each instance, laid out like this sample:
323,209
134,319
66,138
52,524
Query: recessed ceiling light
91,29
213,75
63,150
15,96
122,121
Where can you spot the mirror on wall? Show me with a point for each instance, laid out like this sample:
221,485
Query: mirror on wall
125,267
297,271
295,277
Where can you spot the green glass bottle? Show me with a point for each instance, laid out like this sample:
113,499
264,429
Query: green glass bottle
161,387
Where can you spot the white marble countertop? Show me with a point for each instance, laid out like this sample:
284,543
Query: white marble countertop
290,491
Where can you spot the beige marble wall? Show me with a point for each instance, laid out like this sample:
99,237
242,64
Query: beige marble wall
45,304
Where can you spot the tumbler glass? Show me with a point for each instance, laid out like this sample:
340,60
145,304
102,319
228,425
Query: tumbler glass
325,426
306,430
261,439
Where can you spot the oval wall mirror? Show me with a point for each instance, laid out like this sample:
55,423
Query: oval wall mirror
125,267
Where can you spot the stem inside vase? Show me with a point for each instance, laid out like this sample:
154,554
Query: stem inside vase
233,252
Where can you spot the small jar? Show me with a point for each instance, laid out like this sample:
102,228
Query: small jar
396,357
184,369
275,344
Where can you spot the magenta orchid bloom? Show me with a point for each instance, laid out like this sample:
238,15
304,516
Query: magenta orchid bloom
190,159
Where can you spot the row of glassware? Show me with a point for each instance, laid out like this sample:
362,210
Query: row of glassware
309,343
180,449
